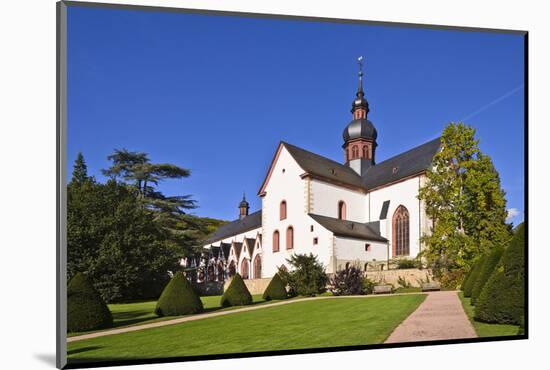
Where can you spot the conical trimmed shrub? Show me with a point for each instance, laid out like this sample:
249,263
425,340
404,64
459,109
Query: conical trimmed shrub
502,299
473,276
86,310
178,298
276,289
489,266
237,293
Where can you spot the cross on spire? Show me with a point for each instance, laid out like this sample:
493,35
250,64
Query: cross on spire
360,64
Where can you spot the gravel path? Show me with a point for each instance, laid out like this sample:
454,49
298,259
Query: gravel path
440,316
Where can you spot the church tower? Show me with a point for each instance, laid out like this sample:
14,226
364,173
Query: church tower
243,208
360,134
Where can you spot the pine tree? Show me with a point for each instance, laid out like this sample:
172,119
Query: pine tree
80,170
464,200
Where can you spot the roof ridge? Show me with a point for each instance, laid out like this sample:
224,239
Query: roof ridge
407,151
318,155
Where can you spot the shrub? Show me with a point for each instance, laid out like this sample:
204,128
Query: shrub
368,285
85,308
308,276
502,298
237,293
286,278
487,269
276,289
178,298
405,263
476,268
347,282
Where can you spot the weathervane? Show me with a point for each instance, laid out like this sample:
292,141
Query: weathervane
360,62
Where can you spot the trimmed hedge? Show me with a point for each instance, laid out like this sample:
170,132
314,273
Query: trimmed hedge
85,308
491,262
502,298
476,268
178,298
237,293
276,289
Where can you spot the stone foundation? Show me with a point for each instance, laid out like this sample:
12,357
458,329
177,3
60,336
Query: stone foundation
255,286
412,276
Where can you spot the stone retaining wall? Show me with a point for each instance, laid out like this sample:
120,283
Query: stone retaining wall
412,276
255,286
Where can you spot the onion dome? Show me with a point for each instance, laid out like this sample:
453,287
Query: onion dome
360,128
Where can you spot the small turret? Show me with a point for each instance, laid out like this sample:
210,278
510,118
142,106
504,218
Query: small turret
243,208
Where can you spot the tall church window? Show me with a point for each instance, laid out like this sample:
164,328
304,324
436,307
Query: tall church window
354,152
400,226
342,210
276,241
290,237
282,210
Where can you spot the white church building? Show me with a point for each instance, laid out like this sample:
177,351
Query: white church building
359,211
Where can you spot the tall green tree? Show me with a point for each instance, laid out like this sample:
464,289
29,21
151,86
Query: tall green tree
466,204
80,170
135,168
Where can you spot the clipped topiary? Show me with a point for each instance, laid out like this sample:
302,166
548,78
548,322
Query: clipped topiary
466,278
489,266
276,289
178,298
85,308
502,298
473,276
237,293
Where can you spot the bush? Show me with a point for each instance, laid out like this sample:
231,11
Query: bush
368,285
502,298
347,282
276,289
489,266
476,268
237,293
178,298
405,263
85,308
308,276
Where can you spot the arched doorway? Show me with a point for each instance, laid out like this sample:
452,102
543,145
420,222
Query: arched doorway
257,267
232,269
244,269
221,272
400,233
211,275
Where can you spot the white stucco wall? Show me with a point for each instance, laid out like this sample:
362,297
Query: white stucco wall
403,193
325,198
295,191
353,250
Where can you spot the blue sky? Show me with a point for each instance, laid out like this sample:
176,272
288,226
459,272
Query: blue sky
216,94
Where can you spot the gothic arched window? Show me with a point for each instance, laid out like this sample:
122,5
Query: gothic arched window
354,152
342,210
400,226
276,241
290,237
282,210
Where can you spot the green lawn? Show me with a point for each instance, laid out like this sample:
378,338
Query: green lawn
138,313
484,329
307,324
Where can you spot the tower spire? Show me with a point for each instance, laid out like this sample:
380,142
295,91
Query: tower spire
360,88
243,207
